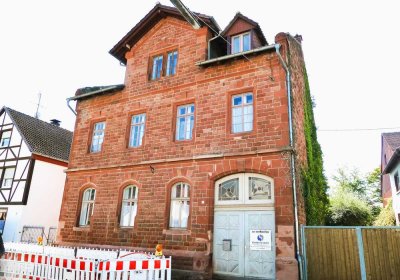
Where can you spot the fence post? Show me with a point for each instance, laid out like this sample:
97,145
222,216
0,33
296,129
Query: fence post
303,249
361,253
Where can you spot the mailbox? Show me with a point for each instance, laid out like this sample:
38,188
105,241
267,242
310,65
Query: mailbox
227,244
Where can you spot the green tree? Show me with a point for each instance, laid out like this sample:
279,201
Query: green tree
355,198
366,186
386,216
347,209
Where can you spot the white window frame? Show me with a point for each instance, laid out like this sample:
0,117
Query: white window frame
243,190
171,69
183,199
242,109
188,126
98,138
87,208
132,204
10,177
156,72
141,130
3,143
240,36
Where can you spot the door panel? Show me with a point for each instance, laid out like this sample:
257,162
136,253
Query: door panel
229,225
259,263
241,260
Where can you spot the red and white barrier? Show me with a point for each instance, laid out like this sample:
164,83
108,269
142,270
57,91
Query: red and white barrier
36,266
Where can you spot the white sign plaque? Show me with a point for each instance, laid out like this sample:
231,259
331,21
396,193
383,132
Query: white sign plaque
260,240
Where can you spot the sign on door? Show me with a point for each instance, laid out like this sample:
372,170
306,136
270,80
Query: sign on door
260,240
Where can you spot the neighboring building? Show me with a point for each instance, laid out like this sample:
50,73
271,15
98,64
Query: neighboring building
390,168
33,157
194,150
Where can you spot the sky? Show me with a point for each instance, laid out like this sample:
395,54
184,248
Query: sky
351,51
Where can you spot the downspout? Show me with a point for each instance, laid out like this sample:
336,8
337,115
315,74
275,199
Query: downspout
69,106
292,155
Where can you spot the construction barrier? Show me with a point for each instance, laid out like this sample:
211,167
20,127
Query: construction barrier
38,266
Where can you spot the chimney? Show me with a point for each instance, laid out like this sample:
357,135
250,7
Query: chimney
55,122
299,38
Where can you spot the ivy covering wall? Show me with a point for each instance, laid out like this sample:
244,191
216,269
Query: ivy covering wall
314,182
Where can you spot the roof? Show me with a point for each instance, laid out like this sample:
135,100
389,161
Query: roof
96,90
152,18
257,27
393,139
42,138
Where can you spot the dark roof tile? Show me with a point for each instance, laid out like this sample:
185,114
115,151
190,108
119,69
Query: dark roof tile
41,137
393,139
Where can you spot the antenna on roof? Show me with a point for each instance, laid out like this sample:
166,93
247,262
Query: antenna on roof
186,13
38,105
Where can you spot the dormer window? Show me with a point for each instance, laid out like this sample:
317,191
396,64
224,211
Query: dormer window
241,43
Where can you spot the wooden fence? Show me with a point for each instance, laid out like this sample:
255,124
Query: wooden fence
351,252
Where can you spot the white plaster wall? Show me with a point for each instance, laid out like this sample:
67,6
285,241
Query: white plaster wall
11,228
395,194
45,196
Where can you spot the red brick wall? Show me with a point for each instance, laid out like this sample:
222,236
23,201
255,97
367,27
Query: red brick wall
385,183
213,153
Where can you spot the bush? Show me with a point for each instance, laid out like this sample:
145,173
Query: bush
347,209
386,216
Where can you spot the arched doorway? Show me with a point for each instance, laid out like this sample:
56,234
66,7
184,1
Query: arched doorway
244,226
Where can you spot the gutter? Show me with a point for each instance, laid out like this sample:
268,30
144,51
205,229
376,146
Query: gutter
89,94
69,106
229,56
292,155
392,162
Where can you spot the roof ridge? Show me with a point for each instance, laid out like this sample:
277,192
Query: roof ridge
58,127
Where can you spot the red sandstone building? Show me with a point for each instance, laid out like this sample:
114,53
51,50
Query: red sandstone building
197,150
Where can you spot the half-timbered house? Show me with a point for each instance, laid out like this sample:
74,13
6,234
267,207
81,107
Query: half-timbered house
33,156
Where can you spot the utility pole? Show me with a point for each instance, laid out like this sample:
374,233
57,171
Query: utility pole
38,105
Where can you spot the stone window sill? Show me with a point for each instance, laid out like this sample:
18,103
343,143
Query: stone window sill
177,232
86,228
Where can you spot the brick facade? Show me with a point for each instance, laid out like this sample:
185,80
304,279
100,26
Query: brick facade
161,161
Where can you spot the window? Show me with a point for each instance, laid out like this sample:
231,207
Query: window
184,122
396,181
244,188
3,217
241,43
163,65
180,203
137,130
97,137
129,206
259,189
87,207
157,67
8,175
5,138
229,190
242,112
172,59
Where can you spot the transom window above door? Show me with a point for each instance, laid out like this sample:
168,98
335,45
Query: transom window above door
244,188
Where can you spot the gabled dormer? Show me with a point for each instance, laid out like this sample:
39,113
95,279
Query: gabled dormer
158,13
243,34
